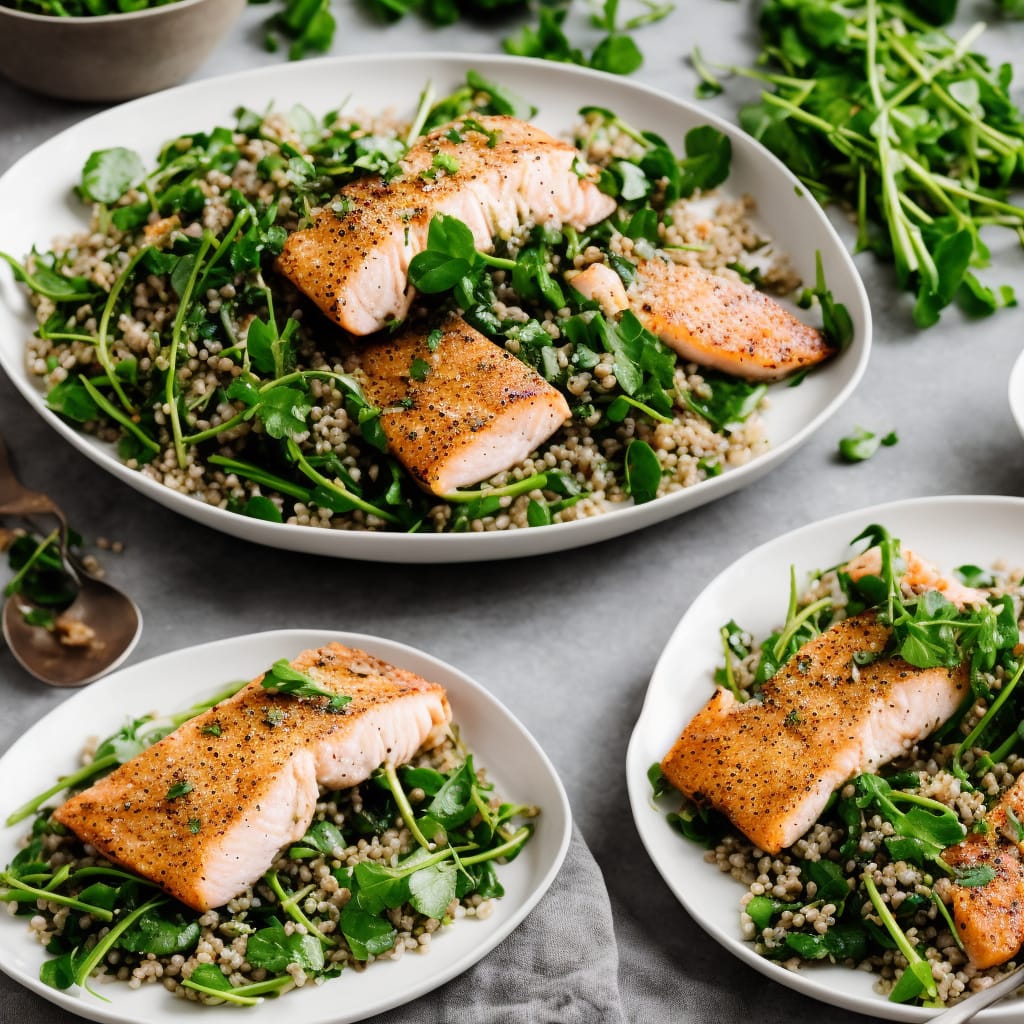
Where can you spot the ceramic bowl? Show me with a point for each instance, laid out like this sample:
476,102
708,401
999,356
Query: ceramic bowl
111,56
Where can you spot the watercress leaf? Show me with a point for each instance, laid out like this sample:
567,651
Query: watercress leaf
433,271
261,507
366,934
431,889
859,446
283,411
259,344
617,54
210,976
643,472
708,156
428,779
109,173
729,403
71,399
162,936
58,973
453,803
538,514
274,950
380,887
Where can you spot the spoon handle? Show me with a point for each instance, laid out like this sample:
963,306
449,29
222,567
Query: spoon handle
973,1004
18,500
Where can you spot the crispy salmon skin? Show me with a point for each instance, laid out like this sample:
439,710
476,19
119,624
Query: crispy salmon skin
203,812
492,172
770,765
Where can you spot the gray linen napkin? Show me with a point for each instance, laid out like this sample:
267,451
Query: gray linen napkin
560,966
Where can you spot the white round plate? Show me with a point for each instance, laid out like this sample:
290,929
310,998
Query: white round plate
514,762
38,205
1017,392
754,590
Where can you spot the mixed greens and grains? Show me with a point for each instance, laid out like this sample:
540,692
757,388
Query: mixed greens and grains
867,886
382,870
164,330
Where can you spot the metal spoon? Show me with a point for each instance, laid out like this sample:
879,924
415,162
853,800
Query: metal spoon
98,630
966,1009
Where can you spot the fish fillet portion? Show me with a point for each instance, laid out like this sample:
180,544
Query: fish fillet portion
457,409
353,260
770,765
920,576
709,319
990,916
203,812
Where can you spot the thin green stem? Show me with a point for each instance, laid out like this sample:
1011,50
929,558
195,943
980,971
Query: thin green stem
83,774
405,808
524,486
343,492
107,943
986,719
14,584
261,476
114,413
103,328
171,384
289,904
15,885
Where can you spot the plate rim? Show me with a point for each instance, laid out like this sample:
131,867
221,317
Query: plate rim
450,548
403,995
638,788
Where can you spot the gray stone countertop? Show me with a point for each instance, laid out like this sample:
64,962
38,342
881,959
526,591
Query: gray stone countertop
548,635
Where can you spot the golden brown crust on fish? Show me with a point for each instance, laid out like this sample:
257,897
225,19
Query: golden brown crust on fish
990,916
770,765
475,411
203,812
709,319
353,260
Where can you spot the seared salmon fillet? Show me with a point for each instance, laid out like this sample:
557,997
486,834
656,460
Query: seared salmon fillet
492,173
709,319
990,916
770,765
203,812
457,408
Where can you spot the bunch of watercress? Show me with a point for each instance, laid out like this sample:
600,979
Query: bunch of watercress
878,109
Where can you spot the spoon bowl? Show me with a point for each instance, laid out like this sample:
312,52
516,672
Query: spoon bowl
95,633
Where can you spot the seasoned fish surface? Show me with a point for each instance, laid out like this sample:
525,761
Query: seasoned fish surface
770,765
709,319
353,260
458,409
990,916
203,812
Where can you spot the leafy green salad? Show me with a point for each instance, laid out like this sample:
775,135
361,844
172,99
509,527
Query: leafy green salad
868,886
383,867
164,328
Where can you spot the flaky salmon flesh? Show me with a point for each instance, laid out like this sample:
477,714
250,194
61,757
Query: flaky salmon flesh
456,407
493,173
203,812
770,765
989,915
708,319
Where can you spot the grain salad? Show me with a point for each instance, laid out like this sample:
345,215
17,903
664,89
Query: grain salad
165,330
894,874
384,868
